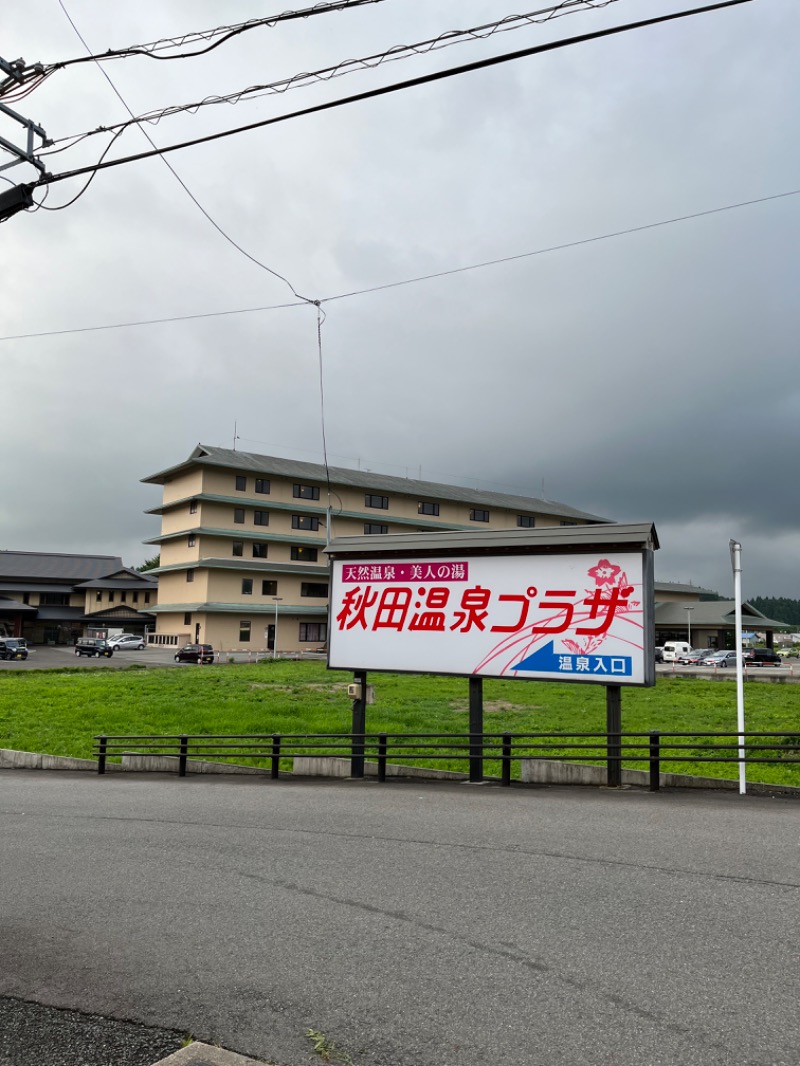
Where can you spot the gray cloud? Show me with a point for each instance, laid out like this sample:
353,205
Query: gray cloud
650,376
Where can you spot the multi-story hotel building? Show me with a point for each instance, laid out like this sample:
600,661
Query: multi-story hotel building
242,539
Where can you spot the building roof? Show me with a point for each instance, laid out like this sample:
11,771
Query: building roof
713,614
676,586
227,458
630,537
56,566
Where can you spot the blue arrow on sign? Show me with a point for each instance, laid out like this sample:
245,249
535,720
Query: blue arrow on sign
548,661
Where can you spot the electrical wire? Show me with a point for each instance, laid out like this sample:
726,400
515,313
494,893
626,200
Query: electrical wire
227,32
425,79
174,173
419,278
349,66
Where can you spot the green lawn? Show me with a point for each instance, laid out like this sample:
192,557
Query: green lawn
59,712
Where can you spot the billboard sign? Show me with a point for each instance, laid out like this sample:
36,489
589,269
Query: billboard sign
556,617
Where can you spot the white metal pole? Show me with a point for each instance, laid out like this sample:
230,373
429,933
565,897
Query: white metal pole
689,626
736,561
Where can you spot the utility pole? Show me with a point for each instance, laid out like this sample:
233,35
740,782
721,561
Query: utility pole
18,197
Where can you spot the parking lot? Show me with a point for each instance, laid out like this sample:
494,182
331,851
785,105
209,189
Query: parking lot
58,658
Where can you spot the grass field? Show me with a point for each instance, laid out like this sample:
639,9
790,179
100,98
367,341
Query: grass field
59,712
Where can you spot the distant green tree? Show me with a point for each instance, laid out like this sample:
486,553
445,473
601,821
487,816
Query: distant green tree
150,564
781,608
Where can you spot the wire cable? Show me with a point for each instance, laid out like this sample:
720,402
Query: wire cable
350,66
415,280
224,32
385,90
174,173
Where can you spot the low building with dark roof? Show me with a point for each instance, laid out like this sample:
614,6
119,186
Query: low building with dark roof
54,597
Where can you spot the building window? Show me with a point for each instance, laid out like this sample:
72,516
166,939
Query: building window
110,598
375,527
244,632
314,588
477,515
237,547
269,588
260,518
26,596
193,507
241,483
191,541
262,485
187,618
313,631
147,597
428,508
305,521
238,515
381,502
567,523
303,554
123,597
259,551
526,521
306,492
98,596
190,575
247,586
136,597
54,599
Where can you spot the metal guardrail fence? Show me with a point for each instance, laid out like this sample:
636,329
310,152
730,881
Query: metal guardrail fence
649,749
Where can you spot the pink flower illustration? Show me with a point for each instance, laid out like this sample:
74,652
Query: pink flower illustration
604,573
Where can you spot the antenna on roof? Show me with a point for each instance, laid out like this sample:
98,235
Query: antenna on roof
235,435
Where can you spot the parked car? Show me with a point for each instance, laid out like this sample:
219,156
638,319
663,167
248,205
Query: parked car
192,653
695,657
761,657
721,659
13,648
93,646
659,653
127,640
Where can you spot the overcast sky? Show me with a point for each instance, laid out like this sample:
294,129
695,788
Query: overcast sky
646,377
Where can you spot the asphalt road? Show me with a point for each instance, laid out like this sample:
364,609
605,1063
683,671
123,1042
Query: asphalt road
411,924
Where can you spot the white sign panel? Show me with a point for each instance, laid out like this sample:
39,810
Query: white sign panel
573,617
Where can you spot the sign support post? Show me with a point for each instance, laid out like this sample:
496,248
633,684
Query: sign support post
359,726
475,730
614,735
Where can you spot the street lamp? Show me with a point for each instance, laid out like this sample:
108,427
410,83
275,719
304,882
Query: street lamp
276,600
689,625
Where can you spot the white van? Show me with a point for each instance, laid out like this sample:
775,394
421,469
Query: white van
673,649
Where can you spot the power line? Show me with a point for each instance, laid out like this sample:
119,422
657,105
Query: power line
446,39
225,33
174,173
415,280
398,86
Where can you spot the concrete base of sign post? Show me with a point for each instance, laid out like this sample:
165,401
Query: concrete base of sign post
552,772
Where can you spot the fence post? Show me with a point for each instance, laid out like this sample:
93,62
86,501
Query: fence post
655,762
101,754
506,756
184,750
614,736
276,756
381,757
